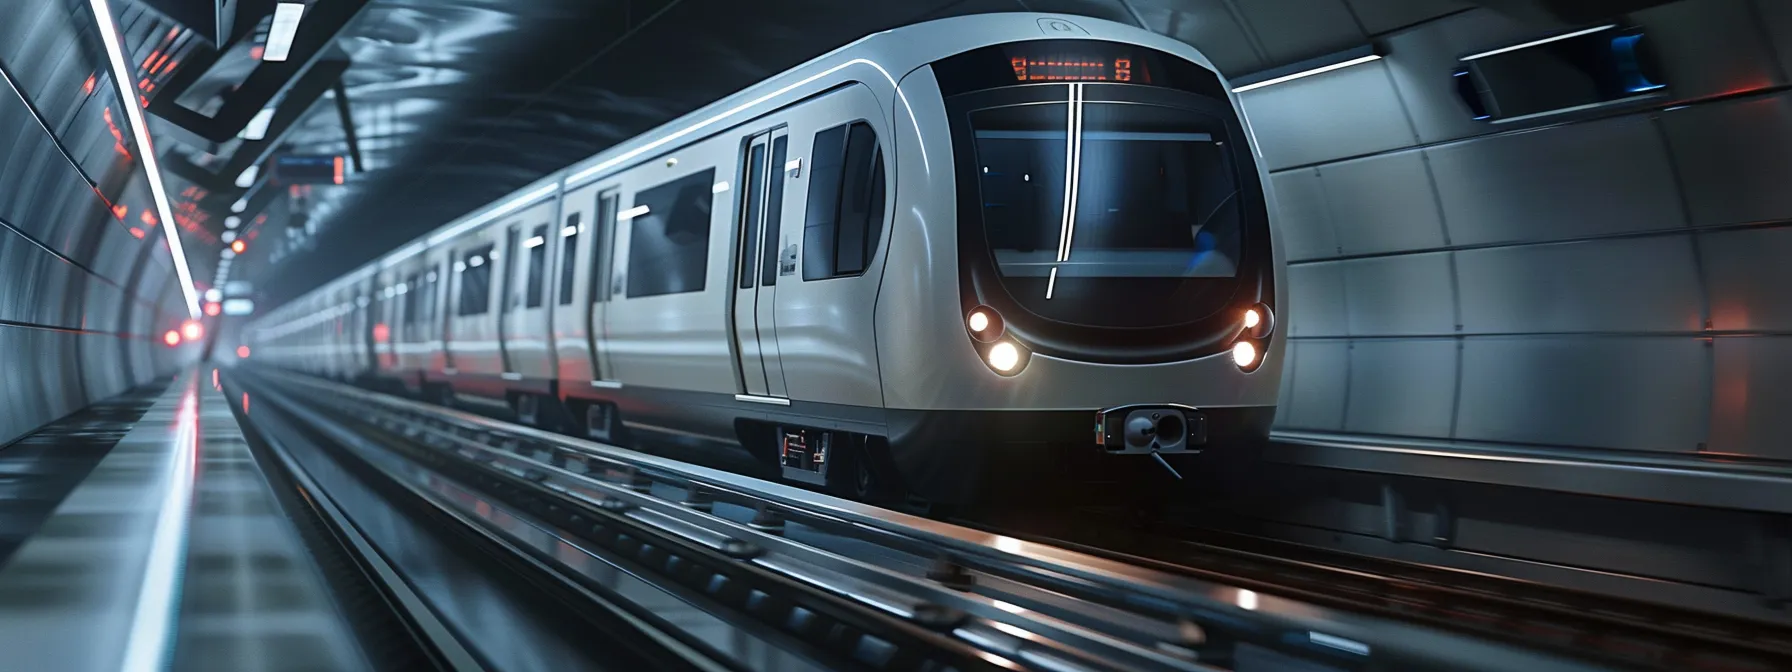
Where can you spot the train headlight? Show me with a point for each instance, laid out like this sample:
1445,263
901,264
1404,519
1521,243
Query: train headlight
1244,354
984,323
1004,357
1259,321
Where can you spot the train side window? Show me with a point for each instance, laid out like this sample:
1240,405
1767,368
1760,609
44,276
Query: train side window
413,296
427,295
668,251
538,263
569,252
846,202
603,239
476,282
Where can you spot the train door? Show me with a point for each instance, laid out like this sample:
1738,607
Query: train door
374,307
758,365
827,266
508,297
527,323
606,284
451,290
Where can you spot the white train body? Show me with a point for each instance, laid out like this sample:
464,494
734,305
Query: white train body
636,290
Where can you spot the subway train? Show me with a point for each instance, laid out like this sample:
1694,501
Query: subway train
888,272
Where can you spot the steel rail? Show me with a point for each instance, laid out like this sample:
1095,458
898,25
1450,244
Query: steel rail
1089,608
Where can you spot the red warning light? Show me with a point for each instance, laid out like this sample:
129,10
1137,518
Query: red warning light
138,233
381,333
172,338
212,309
192,330
149,217
87,86
238,246
338,170
242,352
121,211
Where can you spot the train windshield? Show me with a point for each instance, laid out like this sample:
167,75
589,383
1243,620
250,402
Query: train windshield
1087,203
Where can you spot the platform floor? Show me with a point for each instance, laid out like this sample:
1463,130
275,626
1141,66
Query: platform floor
172,551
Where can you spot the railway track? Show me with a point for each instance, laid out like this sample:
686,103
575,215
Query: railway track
849,586
1625,633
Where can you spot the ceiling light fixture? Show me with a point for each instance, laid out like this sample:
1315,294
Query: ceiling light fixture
1309,73
258,126
247,177
286,24
121,76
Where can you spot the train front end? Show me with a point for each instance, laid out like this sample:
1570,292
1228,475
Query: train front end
1117,288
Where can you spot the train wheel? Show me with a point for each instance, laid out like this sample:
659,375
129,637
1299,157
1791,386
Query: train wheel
857,473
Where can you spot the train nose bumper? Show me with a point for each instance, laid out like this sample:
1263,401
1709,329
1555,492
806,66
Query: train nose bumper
1142,429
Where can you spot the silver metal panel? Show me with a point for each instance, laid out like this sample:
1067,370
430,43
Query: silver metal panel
1732,158
19,417
1302,215
1403,387
1328,116
1403,295
1632,393
1617,285
1383,204
1380,16
1710,47
1746,277
1321,379
1316,300
1603,177
1750,397
676,341
1420,60
1292,30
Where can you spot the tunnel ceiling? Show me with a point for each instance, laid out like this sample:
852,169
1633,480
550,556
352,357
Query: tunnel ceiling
458,102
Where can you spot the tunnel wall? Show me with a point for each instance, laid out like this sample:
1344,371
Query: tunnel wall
84,293
1613,283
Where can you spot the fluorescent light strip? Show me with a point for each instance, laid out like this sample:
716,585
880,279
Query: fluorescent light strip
248,176
632,213
286,24
569,232
1076,174
258,125
793,164
534,241
1534,43
718,188
121,76
1309,73
1073,164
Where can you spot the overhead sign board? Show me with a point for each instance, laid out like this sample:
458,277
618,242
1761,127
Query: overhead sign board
298,169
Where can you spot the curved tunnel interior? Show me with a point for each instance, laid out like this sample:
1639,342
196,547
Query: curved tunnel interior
1493,293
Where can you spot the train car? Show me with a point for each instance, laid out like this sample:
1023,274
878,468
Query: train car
965,243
